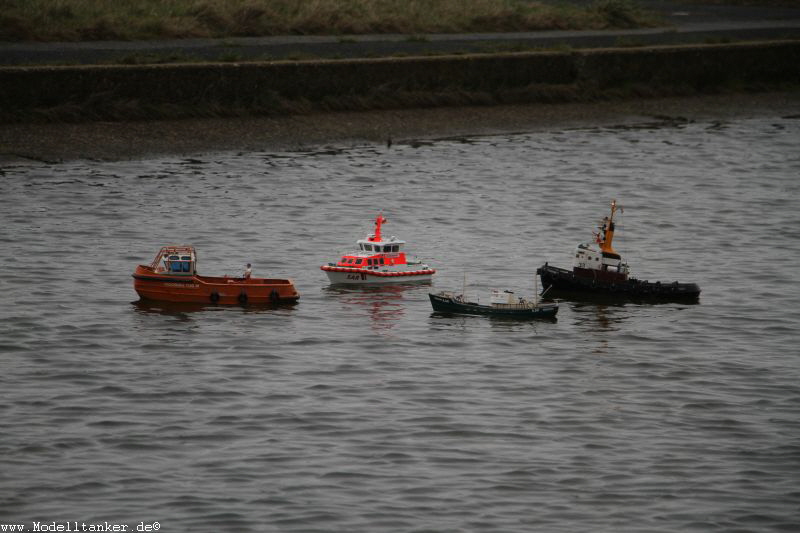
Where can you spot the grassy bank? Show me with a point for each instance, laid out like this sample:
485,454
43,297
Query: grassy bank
87,20
756,3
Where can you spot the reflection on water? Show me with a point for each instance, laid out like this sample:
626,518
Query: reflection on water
598,317
186,308
169,308
383,306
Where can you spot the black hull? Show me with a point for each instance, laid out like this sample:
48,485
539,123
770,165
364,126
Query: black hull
443,304
562,282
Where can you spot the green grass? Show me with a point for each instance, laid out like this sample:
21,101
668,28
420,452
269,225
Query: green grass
87,20
764,3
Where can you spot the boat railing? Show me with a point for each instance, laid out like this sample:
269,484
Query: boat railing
172,250
521,305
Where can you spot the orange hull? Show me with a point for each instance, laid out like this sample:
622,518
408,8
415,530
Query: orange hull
163,286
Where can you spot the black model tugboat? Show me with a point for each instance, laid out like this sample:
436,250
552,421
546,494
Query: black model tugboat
600,271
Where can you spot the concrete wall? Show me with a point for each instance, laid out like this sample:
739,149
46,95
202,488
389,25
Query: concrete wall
155,91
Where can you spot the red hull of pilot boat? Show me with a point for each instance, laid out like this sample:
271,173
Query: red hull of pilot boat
162,286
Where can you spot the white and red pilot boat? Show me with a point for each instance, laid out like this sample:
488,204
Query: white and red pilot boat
378,260
598,269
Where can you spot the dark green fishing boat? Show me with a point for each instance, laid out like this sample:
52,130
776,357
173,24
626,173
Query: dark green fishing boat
503,304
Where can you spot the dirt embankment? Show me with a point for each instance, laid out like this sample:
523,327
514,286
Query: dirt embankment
297,87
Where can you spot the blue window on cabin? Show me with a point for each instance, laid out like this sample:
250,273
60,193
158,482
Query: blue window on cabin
186,266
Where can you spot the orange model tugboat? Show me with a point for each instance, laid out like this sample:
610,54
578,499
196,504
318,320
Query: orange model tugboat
377,260
598,269
172,277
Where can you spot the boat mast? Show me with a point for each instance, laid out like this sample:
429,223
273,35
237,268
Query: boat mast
608,229
378,221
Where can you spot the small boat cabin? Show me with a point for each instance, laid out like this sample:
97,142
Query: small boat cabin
176,260
600,255
504,297
589,258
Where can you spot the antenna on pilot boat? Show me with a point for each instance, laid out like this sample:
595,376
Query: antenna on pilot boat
380,219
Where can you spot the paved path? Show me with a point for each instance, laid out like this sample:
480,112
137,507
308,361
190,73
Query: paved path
689,24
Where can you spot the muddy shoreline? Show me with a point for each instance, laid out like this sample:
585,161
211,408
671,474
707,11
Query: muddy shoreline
282,88
134,140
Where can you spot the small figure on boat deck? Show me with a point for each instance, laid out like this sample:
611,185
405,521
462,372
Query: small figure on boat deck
248,271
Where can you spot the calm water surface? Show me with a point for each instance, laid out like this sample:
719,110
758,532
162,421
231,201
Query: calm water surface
360,410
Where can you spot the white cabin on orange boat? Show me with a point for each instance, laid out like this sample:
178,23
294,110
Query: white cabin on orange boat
176,260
